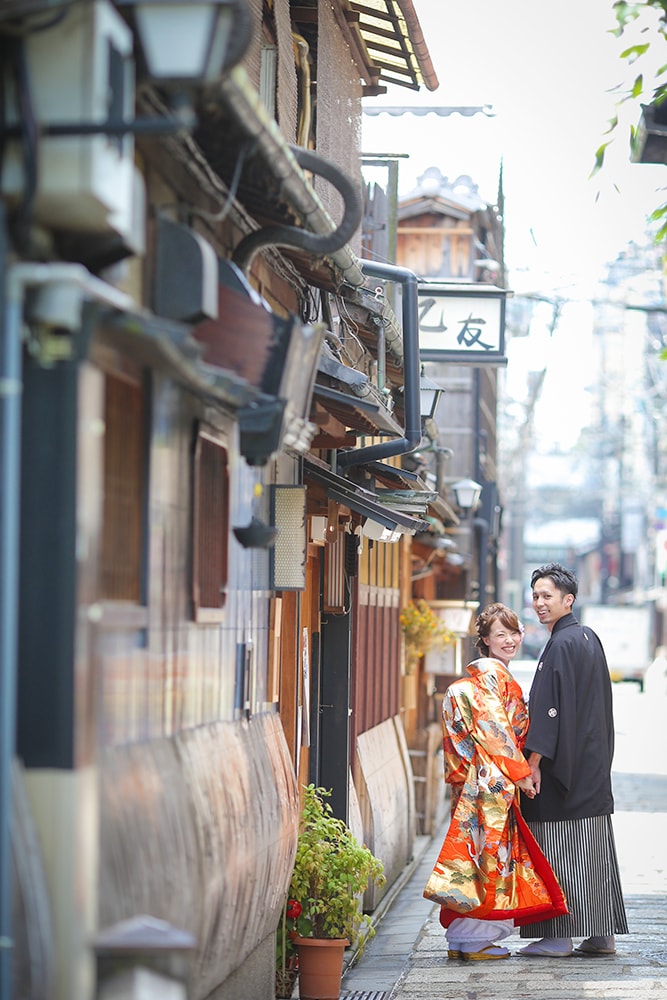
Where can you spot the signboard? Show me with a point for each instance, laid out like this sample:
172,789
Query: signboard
463,324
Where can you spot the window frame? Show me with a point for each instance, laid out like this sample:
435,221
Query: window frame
125,606
202,612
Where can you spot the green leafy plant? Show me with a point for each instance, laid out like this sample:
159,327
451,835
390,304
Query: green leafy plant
287,962
646,57
331,870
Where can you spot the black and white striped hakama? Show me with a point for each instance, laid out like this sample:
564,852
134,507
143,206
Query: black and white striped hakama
582,853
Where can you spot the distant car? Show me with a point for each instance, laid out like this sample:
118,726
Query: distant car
624,631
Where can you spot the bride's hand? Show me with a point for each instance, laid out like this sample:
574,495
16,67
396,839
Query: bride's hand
527,787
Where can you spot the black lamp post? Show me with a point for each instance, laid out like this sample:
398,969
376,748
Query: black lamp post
467,493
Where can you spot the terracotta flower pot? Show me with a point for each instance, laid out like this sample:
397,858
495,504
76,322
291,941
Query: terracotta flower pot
320,967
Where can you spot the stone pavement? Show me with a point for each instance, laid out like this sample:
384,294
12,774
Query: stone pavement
407,958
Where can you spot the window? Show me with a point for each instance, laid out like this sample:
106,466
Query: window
267,78
124,490
210,528
268,67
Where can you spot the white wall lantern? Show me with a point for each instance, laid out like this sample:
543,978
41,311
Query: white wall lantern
183,42
467,493
430,394
186,43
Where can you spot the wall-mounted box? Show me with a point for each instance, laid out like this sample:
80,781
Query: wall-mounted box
79,70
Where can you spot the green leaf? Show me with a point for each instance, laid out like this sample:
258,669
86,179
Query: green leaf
658,213
625,12
599,158
638,86
622,11
635,51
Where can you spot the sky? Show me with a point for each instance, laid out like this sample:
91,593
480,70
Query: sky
551,74
548,71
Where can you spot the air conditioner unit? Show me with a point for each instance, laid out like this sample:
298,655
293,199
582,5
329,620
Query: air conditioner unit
80,70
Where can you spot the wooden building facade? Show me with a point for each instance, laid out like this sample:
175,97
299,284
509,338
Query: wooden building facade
207,597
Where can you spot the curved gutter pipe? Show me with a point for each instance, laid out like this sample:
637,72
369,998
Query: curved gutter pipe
292,236
14,280
240,97
410,317
244,101
10,439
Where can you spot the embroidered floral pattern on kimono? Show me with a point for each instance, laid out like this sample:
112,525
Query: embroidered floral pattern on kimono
489,866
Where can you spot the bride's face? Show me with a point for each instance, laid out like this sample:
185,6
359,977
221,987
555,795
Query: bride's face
503,643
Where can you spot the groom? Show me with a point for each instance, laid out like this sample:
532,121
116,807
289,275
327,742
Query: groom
570,747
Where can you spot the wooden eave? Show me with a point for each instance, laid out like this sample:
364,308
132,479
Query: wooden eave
440,207
385,40
361,415
403,478
393,38
358,499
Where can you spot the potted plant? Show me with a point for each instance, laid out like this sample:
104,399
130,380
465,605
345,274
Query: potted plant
331,870
287,963
422,630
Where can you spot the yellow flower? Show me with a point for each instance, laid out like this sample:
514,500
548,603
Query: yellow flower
422,629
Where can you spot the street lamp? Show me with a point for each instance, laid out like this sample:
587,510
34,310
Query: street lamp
467,493
430,394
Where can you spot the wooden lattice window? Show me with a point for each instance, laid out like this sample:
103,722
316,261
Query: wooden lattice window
124,490
210,527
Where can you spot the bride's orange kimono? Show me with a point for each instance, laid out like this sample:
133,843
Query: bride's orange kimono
490,867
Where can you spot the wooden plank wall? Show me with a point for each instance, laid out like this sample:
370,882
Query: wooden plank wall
386,800
200,830
376,641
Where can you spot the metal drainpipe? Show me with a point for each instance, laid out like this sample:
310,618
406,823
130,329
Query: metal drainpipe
479,530
10,431
410,317
382,358
13,282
